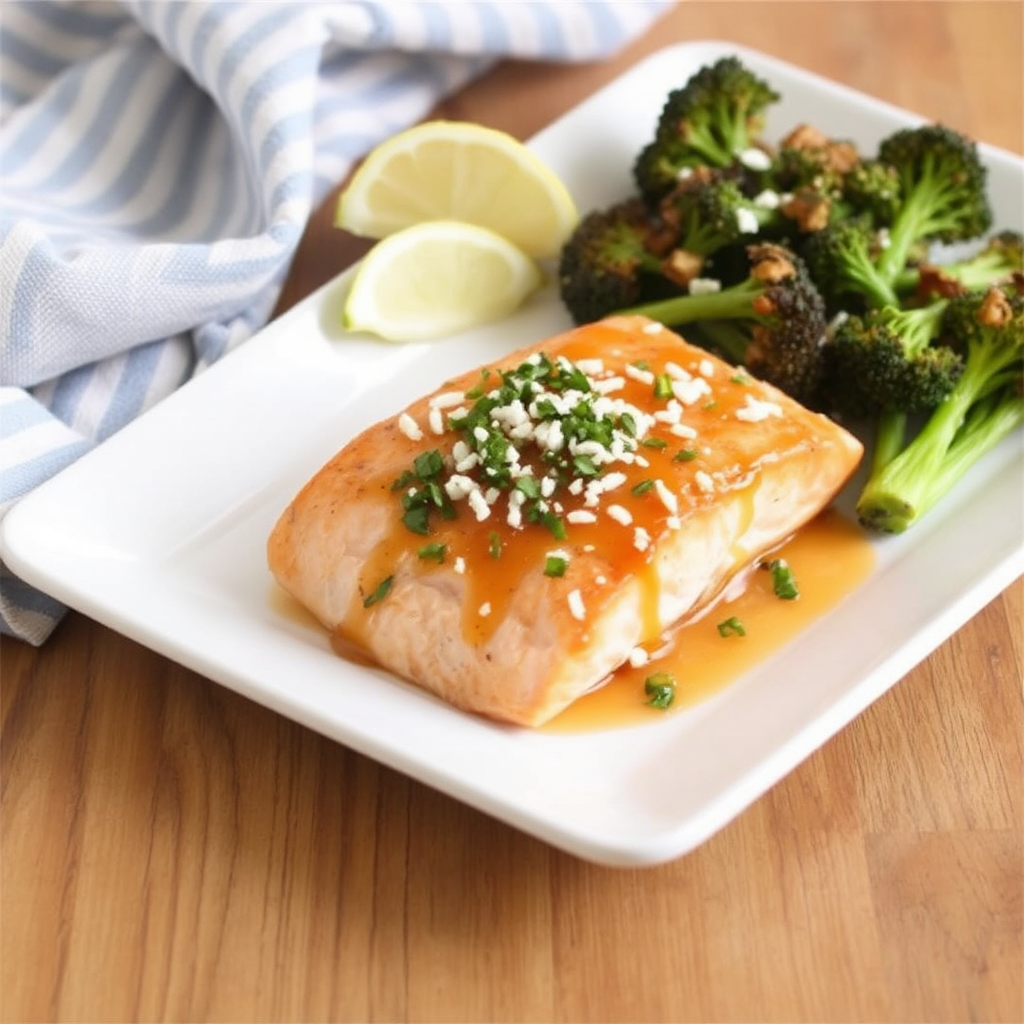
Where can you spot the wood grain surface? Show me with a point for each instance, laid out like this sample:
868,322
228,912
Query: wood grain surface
171,851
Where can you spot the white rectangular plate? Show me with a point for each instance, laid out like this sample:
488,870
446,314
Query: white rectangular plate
160,534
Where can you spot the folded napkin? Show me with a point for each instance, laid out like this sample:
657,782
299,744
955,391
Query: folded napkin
158,163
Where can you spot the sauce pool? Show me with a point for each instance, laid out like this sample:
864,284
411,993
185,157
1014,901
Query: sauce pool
829,557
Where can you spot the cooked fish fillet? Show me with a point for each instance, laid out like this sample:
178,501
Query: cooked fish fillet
508,541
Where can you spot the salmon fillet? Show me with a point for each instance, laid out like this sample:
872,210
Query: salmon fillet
508,541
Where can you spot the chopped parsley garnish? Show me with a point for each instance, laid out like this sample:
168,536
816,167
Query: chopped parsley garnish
433,552
663,386
555,523
660,689
380,592
423,492
643,487
494,544
783,581
531,433
731,627
417,519
685,455
529,486
428,465
555,565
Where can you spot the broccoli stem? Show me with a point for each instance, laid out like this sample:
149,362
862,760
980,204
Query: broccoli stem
703,142
890,437
954,437
921,216
982,431
875,286
727,304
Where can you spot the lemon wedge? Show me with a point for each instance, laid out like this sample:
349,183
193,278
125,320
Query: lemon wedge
438,278
455,170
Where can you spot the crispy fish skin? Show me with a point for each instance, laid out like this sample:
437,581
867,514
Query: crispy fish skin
729,469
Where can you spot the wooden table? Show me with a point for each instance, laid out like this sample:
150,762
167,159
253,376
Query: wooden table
171,851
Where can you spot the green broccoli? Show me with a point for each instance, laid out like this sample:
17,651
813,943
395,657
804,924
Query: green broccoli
809,175
985,405
808,158
710,213
773,322
841,259
872,190
933,191
614,258
999,261
884,366
942,192
713,120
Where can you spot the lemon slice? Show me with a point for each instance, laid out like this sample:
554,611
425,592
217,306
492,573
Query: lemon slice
438,278
455,170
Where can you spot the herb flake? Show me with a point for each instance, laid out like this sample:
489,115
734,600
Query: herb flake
731,627
783,580
660,689
379,593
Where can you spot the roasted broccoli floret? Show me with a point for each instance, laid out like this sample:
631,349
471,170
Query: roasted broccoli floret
872,190
927,185
808,158
709,214
773,322
713,120
885,360
884,366
999,261
809,174
985,404
942,192
841,260
614,258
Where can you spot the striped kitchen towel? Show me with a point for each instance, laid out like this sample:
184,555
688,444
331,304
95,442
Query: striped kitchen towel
158,162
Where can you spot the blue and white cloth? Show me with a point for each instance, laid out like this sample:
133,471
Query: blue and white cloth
158,163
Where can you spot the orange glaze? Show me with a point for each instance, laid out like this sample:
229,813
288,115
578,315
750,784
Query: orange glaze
492,581
829,557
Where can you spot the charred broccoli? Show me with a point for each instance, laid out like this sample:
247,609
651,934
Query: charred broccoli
809,175
711,214
886,365
985,405
885,360
841,259
614,258
708,214
999,261
773,322
808,158
627,254
825,271
927,185
713,120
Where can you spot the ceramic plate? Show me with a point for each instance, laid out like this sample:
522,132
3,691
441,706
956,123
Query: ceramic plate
159,533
